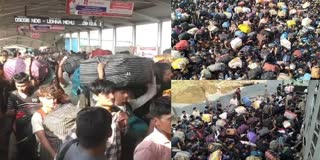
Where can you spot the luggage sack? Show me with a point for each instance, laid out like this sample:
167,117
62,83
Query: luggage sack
58,124
217,67
124,69
267,67
72,63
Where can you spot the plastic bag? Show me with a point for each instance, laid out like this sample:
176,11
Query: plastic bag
180,63
245,28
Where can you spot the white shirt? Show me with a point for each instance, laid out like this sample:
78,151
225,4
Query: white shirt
234,101
186,114
196,113
36,122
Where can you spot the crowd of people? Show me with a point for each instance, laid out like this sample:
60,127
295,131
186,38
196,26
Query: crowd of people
47,113
247,39
267,127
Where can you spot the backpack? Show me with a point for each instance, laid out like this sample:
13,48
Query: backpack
63,151
26,140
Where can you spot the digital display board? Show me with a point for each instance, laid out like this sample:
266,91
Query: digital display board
57,21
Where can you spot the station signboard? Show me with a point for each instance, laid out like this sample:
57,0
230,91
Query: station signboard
57,21
99,8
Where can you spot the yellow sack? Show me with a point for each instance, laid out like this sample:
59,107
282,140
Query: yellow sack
217,155
228,15
180,63
315,72
245,28
259,1
280,4
306,5
256,104
291,23
238,9
281,13
207,118
164,59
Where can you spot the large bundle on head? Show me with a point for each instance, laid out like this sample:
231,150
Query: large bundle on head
39,68
127,70
73,62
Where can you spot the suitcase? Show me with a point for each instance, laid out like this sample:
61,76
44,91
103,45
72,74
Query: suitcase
125,69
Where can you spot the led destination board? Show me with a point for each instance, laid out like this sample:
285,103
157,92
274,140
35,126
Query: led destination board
56,21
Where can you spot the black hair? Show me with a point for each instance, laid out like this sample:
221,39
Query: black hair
102,86
93,126
21,77
160,106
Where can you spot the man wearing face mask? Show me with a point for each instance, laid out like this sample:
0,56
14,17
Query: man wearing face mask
50,97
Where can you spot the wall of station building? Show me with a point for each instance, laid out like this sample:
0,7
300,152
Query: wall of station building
311,140
152,35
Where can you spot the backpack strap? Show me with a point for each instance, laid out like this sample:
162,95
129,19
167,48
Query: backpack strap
43,114
63,151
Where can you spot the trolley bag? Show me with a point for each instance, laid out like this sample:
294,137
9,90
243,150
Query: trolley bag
72,63
315,72
124,69
58,124
217,67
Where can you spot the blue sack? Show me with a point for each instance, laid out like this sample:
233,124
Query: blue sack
226,24
284,35
246,101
